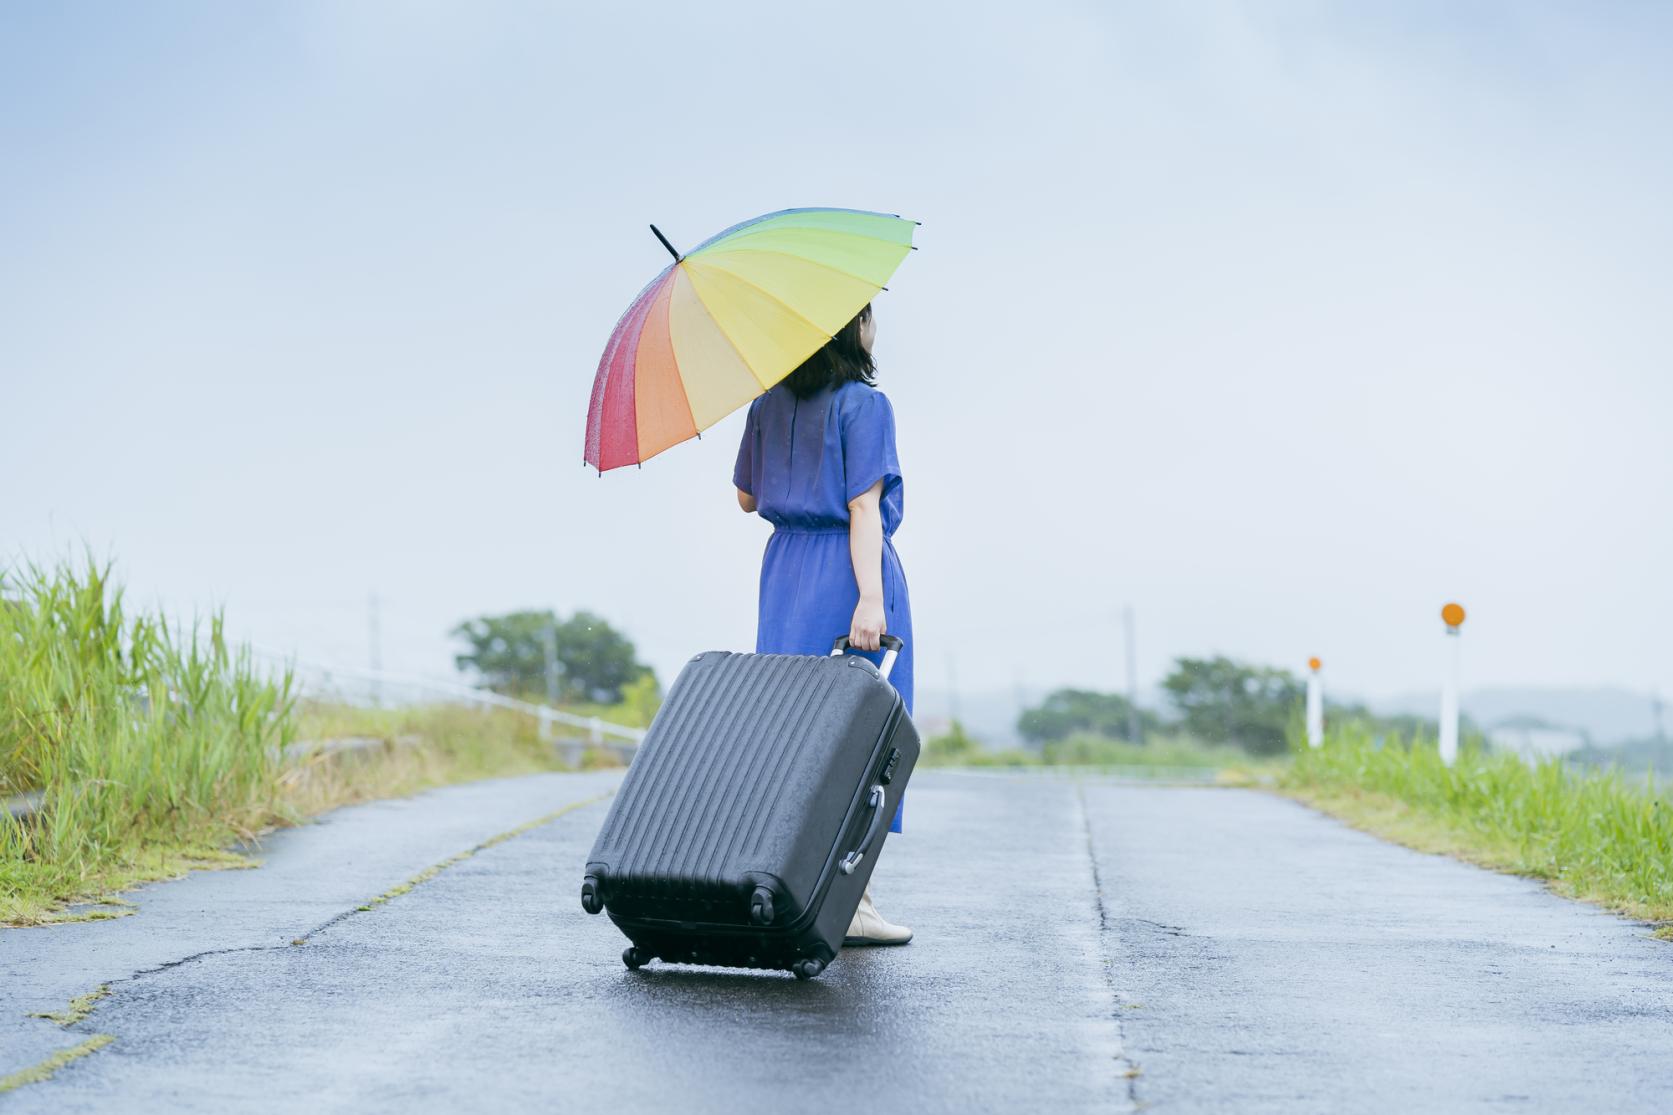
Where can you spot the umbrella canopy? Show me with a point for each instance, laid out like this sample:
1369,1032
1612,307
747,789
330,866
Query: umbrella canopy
729,319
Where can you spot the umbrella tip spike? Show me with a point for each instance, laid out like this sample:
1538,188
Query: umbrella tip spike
671,250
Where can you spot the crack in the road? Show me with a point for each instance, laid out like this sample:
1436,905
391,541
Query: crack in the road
1170,930
1129,1070
83,1005
195,956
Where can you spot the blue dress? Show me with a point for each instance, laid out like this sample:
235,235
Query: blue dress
803,460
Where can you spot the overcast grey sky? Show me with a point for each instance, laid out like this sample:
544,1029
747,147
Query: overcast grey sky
1284,322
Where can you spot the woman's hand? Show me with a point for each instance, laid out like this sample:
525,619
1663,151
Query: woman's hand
867,630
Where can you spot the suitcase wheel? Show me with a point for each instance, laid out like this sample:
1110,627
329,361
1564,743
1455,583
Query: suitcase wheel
635,957
761,906
808,968
591,900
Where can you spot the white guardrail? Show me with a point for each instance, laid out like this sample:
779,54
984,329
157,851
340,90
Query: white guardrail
381,689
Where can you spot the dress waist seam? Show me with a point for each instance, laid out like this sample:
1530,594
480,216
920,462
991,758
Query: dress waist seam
887,537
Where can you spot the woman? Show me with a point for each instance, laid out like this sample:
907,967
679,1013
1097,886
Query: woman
818,462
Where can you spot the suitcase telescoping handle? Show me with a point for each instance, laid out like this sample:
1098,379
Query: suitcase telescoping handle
875,804
891,651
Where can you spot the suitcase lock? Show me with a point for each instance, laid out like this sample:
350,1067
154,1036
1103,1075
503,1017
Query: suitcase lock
888,774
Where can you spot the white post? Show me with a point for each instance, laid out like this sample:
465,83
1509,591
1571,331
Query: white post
1453,616
1315,705
596,733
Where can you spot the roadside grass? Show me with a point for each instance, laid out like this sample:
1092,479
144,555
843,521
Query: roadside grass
423,746
151,744
157,748
1591,835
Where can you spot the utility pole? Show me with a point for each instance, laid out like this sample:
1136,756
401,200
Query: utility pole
549,638
374,643
549,643
952,688
1135,734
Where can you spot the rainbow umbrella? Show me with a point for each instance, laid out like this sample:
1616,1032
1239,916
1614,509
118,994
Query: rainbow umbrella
729,319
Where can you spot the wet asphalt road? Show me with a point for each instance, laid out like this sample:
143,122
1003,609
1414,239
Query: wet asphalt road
1083,946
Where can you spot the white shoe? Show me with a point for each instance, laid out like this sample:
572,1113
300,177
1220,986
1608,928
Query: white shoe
869,927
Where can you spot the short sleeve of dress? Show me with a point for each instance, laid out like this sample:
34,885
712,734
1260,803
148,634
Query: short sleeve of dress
868,445
743,473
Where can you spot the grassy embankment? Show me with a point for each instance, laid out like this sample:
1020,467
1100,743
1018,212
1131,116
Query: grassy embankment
155,748
1592,835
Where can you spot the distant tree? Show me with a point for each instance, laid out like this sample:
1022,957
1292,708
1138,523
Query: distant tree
1066,712
507,653
953,747
1224,701
641,698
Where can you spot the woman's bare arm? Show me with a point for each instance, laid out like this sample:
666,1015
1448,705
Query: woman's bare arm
865,548
746,501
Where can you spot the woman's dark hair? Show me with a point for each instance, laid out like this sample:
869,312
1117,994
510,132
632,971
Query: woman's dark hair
842,358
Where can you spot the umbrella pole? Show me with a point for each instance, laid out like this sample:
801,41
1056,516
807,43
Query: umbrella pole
677,256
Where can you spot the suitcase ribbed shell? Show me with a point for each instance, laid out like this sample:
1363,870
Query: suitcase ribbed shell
749,775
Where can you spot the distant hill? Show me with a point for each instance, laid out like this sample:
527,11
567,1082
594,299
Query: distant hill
1640,755
1607,715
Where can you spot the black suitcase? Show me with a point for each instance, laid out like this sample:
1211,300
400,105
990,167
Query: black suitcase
754,811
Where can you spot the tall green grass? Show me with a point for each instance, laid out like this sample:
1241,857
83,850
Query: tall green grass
137,733
1592,834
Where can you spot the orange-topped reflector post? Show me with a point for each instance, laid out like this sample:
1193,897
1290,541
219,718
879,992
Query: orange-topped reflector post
1452,614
